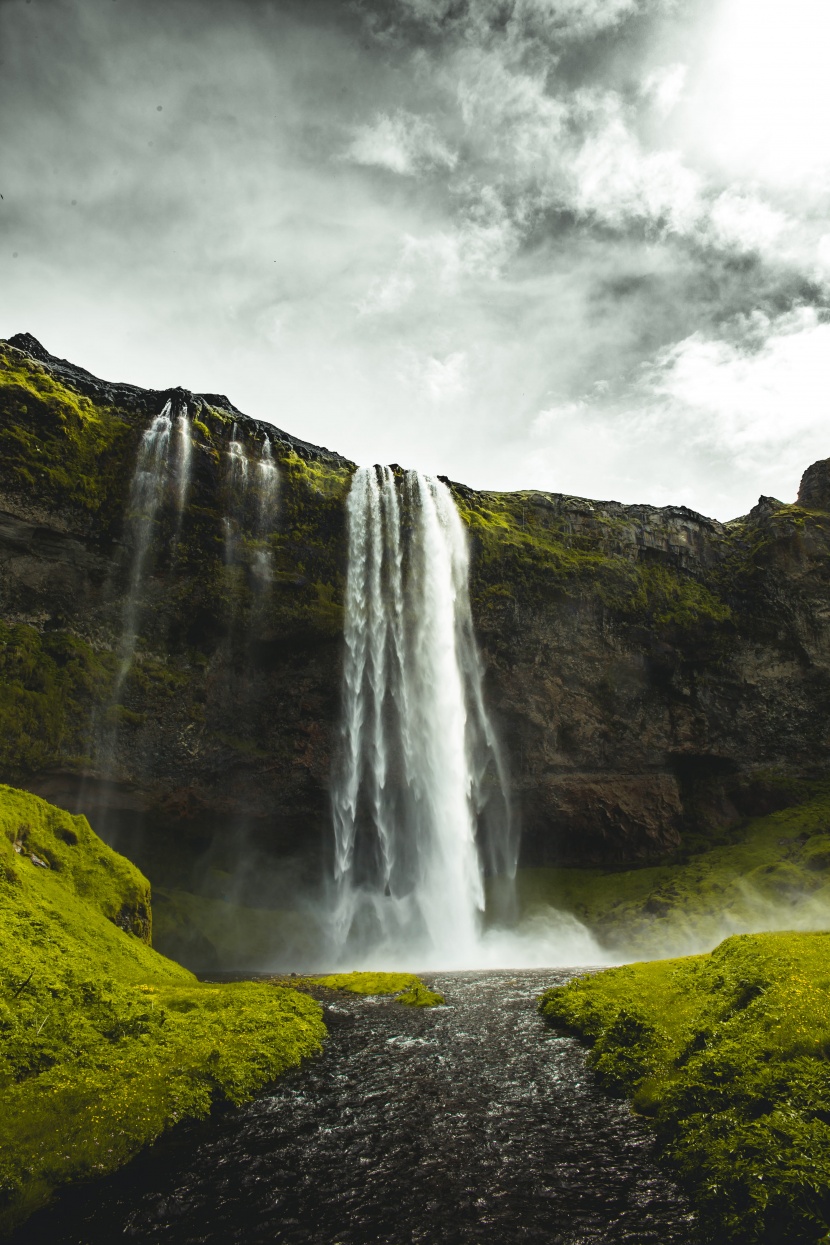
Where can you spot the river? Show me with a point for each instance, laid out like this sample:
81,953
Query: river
471,1123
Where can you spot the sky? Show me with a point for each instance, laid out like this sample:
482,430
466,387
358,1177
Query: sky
573,245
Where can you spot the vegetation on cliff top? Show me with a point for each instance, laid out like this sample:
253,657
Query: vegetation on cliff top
727,1053
774,873
539,552
57,445
103,1042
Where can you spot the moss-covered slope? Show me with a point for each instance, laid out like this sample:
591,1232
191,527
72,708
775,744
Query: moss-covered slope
770,872
728,1054
103,1042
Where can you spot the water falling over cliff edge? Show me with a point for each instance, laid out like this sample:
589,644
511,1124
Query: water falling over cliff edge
420,796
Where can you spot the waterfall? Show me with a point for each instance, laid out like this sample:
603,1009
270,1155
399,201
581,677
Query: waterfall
147,490
237,488
268,485
238,461
184,445
419,762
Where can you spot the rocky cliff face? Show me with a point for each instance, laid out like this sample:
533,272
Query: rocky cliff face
656,674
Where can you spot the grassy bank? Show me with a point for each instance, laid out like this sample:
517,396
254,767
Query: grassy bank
405,987
727,1053
103,1042
772,873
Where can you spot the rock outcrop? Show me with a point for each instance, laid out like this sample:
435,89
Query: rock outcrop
656,675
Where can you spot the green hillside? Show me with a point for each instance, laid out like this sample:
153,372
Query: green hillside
728,1054
104,1043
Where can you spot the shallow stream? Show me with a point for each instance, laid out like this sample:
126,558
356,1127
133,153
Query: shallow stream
468,1123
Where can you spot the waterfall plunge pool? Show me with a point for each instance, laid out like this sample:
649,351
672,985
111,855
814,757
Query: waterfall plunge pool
473,1122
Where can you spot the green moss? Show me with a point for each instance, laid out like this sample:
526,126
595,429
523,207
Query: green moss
81,867
56,443
775,874
331,480
727,1053
519,543
408,988
420,996
103,1042
50,684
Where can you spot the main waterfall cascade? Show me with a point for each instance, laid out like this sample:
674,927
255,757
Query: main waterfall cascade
424,837
420,797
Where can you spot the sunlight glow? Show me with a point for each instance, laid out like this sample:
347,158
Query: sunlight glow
764,93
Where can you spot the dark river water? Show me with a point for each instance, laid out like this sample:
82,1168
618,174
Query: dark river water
469,1123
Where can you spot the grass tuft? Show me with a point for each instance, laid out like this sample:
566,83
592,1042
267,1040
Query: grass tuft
407,988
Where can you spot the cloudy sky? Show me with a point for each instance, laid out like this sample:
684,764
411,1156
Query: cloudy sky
577,245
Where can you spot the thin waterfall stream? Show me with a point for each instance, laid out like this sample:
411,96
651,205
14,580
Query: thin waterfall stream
268,490
146,496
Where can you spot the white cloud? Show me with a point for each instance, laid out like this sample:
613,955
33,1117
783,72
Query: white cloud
512,121
710,423
663,87
760,399
439,380
400,142
614,179
386,294
762,92
562,19
554,417
745,222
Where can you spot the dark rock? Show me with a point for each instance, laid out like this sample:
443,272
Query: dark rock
814,492
25,341
764,507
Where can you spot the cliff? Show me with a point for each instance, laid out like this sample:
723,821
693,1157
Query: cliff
656,675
